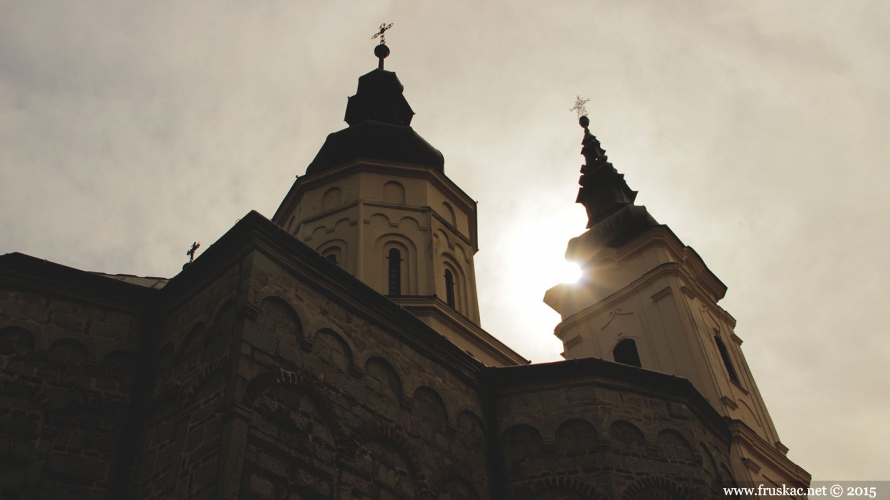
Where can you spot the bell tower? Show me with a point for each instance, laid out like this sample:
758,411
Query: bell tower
646,299
376,201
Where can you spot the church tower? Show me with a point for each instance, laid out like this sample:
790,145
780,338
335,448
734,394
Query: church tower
376,201
646,299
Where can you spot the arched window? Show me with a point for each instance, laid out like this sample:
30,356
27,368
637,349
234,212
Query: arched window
449,288
395,272
727,361
333,254
626,352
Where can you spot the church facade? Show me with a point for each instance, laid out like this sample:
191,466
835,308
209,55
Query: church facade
335,352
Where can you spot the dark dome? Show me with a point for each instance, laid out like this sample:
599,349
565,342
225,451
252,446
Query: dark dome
379,121
374,140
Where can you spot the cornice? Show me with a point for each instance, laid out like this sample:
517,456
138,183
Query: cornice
763,452
25,273
471,332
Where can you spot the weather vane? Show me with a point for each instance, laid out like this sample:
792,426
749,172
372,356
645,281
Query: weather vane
191,252
579,106
382,33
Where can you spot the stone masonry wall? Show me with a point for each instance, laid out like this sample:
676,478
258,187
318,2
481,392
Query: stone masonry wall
585,439
335,406
181,443
67,370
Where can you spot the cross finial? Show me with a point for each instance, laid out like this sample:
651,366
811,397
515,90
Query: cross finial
191,252
382,32
579,106
381,50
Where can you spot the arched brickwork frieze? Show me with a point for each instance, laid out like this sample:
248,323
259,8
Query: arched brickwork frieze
381,458
294,435
576,436
308,384
562,488
655,488
457,488
15,341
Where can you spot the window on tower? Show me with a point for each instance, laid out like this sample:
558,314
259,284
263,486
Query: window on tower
395,272
449,288
727,361
625,352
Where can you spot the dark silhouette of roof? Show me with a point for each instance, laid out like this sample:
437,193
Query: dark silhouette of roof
379,121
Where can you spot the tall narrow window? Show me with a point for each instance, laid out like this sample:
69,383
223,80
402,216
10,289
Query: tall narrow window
626,352
395,272
727,361
449,288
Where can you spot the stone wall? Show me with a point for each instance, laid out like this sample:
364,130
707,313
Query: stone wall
181,441
337,405
67,370
583,436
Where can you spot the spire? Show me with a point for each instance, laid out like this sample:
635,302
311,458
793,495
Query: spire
604,193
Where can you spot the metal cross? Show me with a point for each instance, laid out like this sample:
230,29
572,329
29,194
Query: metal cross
191,253
579,106
382,33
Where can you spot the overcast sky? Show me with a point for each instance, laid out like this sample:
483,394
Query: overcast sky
757,130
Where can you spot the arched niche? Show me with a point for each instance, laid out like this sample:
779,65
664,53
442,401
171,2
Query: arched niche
674,446
279,318
382,378
520,443
429,409
332,349
331,198
576,436
628,438
448,214
16,341
394,192
67,352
